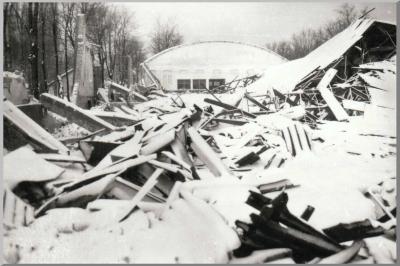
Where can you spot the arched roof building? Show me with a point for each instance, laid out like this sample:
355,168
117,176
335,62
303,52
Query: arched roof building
209,64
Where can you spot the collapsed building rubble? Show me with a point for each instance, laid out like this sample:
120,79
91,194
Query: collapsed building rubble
302,172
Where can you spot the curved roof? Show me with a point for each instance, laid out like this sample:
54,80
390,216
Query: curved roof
192,50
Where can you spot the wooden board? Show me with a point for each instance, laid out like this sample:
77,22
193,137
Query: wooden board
74,113
119,88
228,107
129,148
329,98
30,129
251,99
206,154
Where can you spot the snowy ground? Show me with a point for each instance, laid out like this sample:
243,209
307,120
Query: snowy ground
346,159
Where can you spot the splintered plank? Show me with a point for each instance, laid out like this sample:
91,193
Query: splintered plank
284,98
126,190
228,107
230,121
140,96
129,148
114,118
251,99
119,88
53,157
109,169
329,98
155,144
74,113
150,183
180,151
129,111
31,130
206,154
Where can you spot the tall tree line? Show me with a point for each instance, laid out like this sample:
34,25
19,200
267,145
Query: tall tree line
302,43
39,40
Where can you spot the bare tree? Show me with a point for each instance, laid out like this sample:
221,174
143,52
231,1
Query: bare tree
54,27
307,40
68,15
43,11
165,35
39,40
33,13
7,54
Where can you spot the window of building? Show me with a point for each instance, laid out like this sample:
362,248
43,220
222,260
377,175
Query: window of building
184,84
213,83
199,84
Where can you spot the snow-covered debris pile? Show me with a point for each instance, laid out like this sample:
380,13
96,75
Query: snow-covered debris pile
318,81
240,177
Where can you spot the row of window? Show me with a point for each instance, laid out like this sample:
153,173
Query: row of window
198,84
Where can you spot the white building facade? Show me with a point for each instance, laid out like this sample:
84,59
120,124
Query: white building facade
205,64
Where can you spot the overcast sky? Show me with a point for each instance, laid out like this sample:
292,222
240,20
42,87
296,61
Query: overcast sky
249,22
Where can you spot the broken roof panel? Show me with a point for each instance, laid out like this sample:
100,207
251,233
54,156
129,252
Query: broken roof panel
287,76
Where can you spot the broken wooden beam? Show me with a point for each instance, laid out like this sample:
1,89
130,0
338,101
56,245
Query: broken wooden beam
120,89
343,232
180,151
155,144
54,157
74,113
139,96
251,157
150,183
228,107
312,244
114,118
129,148
284,98
206,154
276,186
129,111
329,98
235,122
251,99
30,130
126,190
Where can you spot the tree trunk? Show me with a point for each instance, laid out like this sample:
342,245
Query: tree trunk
66,60
33,13
102,69
111,69
55,42
43,18
7,55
